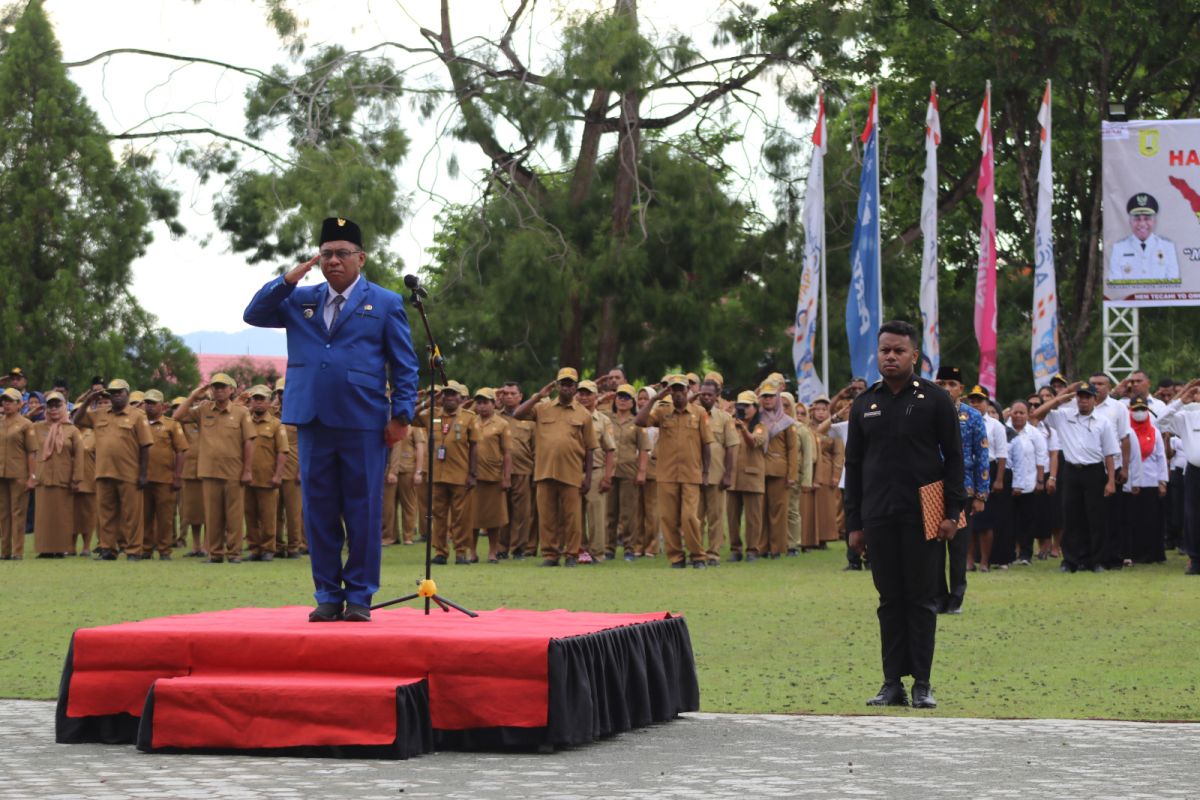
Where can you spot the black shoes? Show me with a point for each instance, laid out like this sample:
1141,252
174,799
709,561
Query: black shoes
570,561
852,568
793,551
439,560
1192,568
890,694
356,613
922,695
329,612
549,562
699,564
680,564
735,557
462,560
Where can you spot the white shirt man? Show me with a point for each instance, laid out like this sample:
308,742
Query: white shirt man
1149,261
1026,452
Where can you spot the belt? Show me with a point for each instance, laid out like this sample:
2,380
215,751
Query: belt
1083,466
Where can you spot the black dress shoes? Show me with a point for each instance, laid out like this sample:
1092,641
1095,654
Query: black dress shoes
328,612
890,694
923,695
357,613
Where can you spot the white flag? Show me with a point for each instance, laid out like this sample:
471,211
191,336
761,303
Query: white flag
808,382
930,348
1045,295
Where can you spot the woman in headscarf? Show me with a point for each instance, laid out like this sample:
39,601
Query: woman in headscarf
800,496
17,471
1146,488
827,473
60,468
782,467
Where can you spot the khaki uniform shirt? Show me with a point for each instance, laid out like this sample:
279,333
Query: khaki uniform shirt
632,441
521,431
16,440
562,438
783,457
495,440
831,458
681,437
605,438
169,439
65,466
270,441
222,434
749,471
452,437
724,436
403,458
192,460
291,467
119,440
806,439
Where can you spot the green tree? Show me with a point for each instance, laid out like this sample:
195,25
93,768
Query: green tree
72,220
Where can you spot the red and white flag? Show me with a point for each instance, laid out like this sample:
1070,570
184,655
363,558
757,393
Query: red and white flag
985,279
930,348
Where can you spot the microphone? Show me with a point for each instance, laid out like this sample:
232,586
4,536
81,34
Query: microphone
413,283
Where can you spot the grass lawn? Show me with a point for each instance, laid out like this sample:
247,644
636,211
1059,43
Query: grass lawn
796,635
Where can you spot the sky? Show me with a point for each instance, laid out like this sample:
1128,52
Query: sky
196,282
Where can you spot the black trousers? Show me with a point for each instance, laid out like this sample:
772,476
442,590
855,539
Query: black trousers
1144,525
1085,521
954,555
1024,522
905,569
1191,513
1174,514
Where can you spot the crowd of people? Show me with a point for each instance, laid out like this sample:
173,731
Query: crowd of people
1097,475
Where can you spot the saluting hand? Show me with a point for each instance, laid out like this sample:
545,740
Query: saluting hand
297,273
545,390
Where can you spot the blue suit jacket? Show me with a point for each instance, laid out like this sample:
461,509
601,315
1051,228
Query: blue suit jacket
339,377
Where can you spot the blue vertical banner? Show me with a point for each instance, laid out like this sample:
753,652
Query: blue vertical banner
864,306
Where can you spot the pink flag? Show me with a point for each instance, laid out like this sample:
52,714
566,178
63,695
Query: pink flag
985,280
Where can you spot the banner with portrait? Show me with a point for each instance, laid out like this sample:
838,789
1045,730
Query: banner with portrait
1151,212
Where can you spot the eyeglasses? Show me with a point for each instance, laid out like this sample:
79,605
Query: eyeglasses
327,255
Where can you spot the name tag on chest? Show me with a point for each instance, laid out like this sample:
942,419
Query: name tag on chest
876,413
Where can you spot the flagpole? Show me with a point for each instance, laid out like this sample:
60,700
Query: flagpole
879,223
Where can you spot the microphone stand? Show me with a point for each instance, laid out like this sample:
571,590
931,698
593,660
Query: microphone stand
436,369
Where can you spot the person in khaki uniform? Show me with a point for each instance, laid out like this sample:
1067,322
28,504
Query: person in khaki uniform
226,451
18,474
164,477
59,471
647,535
83,502
745,496
493,459
683,464
290,514
801,493
516,537
454,473
406,472
820,523
633,455
564,439
781,467
191,497
723,459
123,440
267,462
604,464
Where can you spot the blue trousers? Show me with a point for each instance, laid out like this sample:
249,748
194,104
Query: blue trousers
341,480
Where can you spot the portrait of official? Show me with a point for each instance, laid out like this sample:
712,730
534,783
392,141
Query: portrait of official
1143,256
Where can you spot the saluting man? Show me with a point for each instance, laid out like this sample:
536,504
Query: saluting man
346,339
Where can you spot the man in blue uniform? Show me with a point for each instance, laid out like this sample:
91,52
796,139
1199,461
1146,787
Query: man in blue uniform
976,483
346,339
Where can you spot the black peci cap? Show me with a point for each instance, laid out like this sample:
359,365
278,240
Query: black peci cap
336,229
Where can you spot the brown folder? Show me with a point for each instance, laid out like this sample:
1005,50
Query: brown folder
933,509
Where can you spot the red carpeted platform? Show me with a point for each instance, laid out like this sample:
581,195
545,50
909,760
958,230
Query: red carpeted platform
267,679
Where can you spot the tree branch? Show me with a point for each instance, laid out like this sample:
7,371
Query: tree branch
208,131
251,71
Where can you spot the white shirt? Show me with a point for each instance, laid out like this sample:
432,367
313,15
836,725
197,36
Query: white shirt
997,439
329,304
1117,414
1151,261
1149,472
1025,454
1084,440
1185,424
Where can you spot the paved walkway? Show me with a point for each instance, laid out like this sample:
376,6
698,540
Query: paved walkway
742,757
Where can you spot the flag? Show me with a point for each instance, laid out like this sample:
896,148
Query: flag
864,304
985,280
1045,293
808,384
930,349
